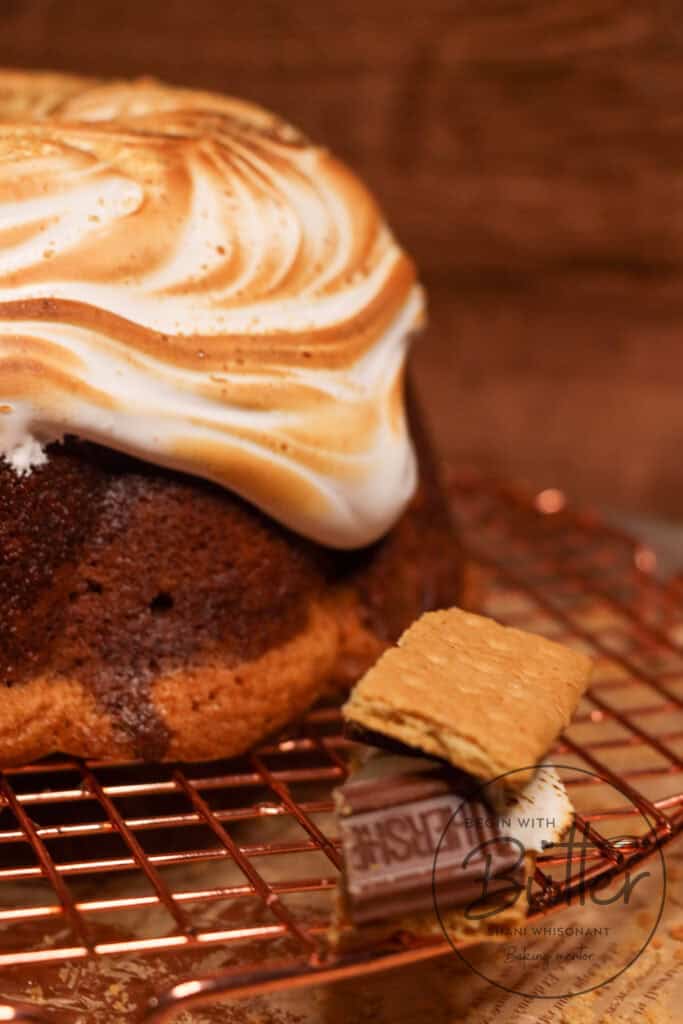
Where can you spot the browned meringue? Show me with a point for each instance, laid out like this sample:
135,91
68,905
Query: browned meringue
184,277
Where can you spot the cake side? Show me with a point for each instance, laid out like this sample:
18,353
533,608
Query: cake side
180,620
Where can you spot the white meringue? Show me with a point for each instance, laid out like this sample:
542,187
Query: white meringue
183,277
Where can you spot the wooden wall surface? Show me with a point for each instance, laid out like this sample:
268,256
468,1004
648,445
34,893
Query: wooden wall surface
529,153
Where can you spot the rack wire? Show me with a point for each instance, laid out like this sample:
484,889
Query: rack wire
101,860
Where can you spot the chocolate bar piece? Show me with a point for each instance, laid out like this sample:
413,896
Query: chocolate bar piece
427,847
410,836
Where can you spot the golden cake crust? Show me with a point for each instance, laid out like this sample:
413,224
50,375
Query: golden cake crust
204,711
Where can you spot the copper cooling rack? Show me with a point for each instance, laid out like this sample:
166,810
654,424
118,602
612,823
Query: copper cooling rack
99,861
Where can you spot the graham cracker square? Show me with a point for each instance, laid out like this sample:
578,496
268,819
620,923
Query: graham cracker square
487,698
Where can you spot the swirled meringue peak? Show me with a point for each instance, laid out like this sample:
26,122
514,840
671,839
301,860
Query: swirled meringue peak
185,278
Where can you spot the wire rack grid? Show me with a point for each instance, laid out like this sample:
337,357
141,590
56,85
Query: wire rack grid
86,848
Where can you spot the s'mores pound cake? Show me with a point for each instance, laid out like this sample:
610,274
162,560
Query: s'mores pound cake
214,500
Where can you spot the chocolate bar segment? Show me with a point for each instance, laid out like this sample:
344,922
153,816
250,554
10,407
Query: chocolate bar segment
412,837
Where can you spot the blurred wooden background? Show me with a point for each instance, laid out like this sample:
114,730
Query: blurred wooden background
529,153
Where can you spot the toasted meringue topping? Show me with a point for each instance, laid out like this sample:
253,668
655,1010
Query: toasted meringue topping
185,278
